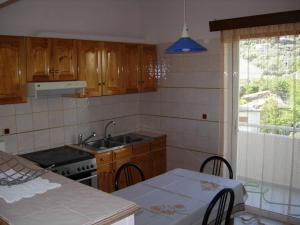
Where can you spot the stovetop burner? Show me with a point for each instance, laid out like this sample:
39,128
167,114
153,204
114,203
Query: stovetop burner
58,156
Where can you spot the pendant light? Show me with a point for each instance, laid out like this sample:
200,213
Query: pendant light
185,44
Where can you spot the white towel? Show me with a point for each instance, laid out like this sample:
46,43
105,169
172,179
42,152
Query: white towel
25,190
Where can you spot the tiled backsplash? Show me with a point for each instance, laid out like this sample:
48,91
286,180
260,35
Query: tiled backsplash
54,120
192,88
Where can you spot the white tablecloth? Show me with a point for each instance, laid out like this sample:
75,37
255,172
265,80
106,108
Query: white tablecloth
179,197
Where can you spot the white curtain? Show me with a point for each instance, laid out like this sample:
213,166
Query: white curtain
262,114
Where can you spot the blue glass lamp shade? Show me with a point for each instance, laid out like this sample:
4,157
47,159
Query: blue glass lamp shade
185,45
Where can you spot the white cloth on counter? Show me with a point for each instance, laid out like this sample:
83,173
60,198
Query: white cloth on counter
25,190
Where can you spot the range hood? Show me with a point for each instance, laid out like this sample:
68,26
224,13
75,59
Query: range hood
57,87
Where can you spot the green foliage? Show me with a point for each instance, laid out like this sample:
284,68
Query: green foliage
243,101
279,61
271,114
277,85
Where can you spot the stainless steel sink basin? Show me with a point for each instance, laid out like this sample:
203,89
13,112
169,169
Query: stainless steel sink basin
112,142
102,144
127,139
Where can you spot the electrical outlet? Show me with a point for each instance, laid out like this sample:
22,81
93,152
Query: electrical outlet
6,131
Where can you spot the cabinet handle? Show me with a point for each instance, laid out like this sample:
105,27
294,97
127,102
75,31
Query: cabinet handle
118,72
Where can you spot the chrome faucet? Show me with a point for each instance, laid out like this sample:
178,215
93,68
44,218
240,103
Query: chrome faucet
93,134
113,123
80,136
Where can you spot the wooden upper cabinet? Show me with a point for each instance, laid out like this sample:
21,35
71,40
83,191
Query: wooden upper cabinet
12,70
64,59
131,64
38,59
112,69
90,66
51,59
148,65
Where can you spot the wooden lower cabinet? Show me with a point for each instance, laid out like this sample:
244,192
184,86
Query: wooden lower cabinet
149,156
159,162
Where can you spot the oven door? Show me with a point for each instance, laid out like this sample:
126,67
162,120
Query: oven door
88,178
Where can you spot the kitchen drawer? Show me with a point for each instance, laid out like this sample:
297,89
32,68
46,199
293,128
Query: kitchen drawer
141,148
122,153
105,157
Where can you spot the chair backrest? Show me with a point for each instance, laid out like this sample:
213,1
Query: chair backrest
217,162
221,199
128,171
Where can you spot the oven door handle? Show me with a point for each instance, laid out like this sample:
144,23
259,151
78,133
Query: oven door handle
87,178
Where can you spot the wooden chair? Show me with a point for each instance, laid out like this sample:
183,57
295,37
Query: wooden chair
217,165
220,199
129,172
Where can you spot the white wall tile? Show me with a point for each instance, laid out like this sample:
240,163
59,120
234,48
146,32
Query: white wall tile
41,139
56,118
71,134
11,143
82,102
69,103
24,108
39,104
150,122
8,122
40,120
57,136
55,103
95,113
172,109
70,116
7,110
83,115
24,122
26,142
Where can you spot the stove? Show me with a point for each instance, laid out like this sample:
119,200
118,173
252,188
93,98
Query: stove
67,161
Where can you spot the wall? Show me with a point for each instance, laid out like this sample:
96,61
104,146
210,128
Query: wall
52,121
116,20
191,89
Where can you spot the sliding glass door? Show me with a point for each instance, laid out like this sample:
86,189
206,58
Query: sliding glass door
267,107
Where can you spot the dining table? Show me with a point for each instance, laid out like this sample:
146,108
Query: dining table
179,197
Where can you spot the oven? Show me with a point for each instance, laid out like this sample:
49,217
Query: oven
69,162
88,178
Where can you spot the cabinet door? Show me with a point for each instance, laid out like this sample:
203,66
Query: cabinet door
105,172
144,161
131,65
159,162
148,64
12,70
105,176
64,59
112,69
38,59
90,66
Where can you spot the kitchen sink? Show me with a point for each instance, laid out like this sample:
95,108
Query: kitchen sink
102,144
112,142
127,139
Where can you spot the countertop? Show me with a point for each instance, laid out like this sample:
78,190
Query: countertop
71,204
